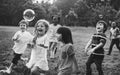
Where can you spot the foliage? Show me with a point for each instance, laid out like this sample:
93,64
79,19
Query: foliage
87,11
65,5
11,9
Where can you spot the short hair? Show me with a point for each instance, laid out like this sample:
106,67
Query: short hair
24,22
66,34
45,22
113,22
56,17
104,23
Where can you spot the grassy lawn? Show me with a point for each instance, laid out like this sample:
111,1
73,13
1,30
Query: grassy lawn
81,35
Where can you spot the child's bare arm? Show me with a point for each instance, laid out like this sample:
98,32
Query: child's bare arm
110,35
97,47
88,45
100,45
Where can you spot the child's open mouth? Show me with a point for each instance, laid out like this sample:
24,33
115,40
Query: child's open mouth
40,30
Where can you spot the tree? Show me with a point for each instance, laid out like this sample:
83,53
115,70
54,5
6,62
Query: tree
65,5
10,9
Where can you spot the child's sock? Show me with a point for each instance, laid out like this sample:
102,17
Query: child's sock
10,68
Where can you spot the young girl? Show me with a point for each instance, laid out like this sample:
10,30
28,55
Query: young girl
114,32
21,38
53,40
38,61
97,43
67,63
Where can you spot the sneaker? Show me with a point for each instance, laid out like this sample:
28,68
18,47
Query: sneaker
3,71
8,71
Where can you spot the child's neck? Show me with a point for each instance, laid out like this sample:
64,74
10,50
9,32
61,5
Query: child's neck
55,24
40,35
23,30
113,27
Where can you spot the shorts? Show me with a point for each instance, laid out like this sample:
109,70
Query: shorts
16,58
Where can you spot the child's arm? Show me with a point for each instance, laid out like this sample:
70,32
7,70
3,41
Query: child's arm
110,35
88,45
16,37
117,31
100,45
31,44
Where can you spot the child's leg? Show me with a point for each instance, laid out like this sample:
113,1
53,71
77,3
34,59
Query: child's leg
98,62
37,71
14,62
55,47
111,46
88,65
75,66
50,45
27,70
117,44
52,49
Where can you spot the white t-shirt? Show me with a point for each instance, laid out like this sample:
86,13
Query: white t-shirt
39,54
114,32
24,38
52,31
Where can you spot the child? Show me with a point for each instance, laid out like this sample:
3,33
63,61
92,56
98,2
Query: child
52,32
20,38
114,32
67,63
38,63
97,43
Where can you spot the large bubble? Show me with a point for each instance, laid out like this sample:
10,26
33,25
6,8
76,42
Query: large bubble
29,14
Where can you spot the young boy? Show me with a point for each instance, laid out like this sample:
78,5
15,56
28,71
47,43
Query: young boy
114,32
97,43
53,40
21,39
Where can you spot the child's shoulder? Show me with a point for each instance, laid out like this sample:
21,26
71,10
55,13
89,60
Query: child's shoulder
18,32
28,32
101,35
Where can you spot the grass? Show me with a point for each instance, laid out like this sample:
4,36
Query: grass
81,35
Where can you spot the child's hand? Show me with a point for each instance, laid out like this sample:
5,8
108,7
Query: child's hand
16,40
30,45
91,51
86,52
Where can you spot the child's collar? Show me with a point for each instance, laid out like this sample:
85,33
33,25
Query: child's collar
23,31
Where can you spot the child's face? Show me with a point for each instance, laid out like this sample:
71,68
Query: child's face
113,24
59,37
55,19
100,27
41,29
23,26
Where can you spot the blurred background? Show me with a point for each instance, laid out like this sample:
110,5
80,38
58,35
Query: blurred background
72,12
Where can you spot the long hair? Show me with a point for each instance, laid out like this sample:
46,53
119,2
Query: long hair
46,23
66,34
